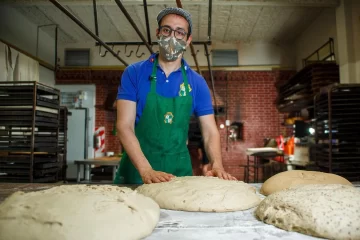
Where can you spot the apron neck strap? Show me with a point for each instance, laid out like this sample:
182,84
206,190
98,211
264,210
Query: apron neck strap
153,77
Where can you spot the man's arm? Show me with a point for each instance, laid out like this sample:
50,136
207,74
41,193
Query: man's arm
126,113
212,145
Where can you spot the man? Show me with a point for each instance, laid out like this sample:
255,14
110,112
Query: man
156,98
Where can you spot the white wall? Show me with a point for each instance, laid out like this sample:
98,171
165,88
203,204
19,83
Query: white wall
46,76
319,32
356,37
20,32
254,54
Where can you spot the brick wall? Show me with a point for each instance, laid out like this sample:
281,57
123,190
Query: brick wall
250,97
106,118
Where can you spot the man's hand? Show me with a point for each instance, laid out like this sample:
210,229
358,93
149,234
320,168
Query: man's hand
152,176
220,173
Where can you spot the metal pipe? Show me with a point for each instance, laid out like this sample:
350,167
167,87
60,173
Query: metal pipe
80,24
329,92
178,3
37,41
211,76
226,109
195,59
147,22
56,47
209,20
41,62
95,19
153,43
127,15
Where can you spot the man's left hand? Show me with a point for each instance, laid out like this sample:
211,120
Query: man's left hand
220,173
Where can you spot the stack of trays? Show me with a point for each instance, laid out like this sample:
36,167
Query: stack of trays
337,113
298,92
29,132
63,127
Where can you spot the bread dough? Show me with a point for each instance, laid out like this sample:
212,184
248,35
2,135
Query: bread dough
293,178
322,210
202,194
78,212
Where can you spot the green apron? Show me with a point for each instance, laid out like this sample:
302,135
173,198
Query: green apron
162,132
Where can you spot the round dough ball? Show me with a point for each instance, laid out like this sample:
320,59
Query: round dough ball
78,212
329,211
202,194
293,178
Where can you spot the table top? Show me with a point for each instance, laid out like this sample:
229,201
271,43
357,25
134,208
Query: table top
108,161
180,225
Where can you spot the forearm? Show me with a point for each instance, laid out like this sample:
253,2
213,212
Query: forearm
132,147
213,148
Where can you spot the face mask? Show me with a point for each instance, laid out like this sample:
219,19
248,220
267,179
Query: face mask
171,48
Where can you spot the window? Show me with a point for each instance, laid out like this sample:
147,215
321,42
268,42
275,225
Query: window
227,58
77,57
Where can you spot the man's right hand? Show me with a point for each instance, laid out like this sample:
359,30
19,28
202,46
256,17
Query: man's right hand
152,176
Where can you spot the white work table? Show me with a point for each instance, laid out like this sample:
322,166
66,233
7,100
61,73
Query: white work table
179,225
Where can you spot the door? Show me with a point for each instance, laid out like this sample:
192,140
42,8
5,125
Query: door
76,145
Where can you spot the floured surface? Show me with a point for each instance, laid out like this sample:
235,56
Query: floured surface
202,194
330,211
284,180
78,212
180,225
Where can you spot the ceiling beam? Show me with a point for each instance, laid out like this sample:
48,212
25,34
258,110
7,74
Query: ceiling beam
271,3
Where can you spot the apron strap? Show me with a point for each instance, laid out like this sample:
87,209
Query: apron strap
186,85
153,77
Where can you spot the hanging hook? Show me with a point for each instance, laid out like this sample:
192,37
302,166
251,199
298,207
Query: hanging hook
112,48
102,55
195,53
129,53
139,56
210,52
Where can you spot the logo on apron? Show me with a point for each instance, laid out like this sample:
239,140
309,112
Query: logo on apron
182,92
168,117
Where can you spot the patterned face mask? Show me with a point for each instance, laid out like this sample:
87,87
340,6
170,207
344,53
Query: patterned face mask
171,48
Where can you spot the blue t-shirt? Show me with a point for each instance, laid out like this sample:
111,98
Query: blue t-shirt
135,85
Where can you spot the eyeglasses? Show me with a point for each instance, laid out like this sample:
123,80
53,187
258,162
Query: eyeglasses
167,31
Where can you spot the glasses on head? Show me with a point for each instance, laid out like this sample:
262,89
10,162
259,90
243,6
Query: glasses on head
167,31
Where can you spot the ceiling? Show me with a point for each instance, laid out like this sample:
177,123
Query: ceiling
274,21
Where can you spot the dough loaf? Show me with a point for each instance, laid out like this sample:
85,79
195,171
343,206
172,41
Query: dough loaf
293,178
323,210
78,212
202,194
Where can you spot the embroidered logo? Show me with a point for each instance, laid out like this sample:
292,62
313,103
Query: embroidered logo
168,117
182,92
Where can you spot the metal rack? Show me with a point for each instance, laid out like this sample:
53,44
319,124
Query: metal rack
299,91
29,132
337,120
258,160
63,127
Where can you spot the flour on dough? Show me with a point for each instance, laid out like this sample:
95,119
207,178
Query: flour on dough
202,194
323,210
78,212
294,178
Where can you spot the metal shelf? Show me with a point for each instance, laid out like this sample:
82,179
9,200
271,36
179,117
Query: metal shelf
29,131
337,120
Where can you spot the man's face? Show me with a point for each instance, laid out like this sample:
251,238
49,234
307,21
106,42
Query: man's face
176,22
